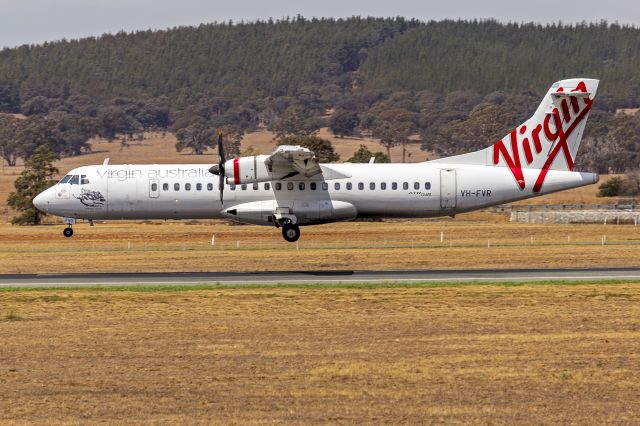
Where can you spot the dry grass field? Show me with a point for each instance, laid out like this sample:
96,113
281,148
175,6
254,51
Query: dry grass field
477,354
186,246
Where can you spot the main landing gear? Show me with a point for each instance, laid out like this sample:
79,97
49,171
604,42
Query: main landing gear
290,232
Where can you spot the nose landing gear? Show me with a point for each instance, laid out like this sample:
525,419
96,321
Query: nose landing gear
68,231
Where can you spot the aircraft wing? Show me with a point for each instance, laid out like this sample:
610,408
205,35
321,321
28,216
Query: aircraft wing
288,161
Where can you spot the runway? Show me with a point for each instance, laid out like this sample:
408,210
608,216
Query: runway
313,277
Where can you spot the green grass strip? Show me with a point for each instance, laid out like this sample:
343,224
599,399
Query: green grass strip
318,286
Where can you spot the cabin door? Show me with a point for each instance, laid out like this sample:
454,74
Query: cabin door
448,189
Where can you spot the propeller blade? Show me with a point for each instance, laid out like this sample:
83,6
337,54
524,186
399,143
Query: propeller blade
221,187
222,158
221,172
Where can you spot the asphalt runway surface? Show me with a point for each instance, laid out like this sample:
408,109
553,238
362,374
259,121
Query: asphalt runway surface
312,277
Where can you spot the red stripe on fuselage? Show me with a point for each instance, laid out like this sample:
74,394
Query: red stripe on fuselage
236,171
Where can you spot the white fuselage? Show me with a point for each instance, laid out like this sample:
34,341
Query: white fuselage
190,191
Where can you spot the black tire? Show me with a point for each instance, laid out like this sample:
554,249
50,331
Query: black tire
291,233
68,232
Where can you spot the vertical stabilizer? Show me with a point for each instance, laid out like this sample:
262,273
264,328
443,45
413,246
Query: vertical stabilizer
549,140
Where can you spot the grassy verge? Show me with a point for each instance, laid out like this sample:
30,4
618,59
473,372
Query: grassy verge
321,285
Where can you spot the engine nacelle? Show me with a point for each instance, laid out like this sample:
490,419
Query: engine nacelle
247,170
305,212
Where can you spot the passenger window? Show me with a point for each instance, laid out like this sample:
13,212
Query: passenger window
255,186
349,186
383,186
372,186
301,186
198,186
187,187
313,186
232,187
325,186
336,186
267,186
154,187
394,186
75,180
427,185
290,186
278,186
416,185
165,186
360,186
405,185
243,186
209,187
65,179
84,180
176,187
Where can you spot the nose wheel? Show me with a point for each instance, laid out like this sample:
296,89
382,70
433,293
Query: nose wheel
291,233
68,232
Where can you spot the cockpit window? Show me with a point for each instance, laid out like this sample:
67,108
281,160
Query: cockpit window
75,180
84,180
65,179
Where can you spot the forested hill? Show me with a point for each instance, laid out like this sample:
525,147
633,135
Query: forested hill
456,86
288,57
253,60
489,56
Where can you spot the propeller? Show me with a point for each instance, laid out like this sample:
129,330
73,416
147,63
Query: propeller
218,169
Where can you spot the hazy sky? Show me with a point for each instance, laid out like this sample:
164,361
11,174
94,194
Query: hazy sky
35,21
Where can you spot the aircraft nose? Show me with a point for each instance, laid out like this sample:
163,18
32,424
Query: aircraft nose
40,202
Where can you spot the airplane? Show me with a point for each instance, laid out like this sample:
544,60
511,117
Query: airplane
289,188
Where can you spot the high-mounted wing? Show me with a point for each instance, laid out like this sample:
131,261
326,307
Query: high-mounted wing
288,159
284,163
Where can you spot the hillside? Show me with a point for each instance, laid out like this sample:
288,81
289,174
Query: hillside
295,56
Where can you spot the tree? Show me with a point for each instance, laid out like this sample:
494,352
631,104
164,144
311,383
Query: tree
9,148
485,125
35,178
631,184
384,131
113,119
198,136
36,131
231,139
75,131
153,115
363,155
343,123
295,121
610,188
322,148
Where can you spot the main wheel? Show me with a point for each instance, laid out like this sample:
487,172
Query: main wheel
68,232
291,233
